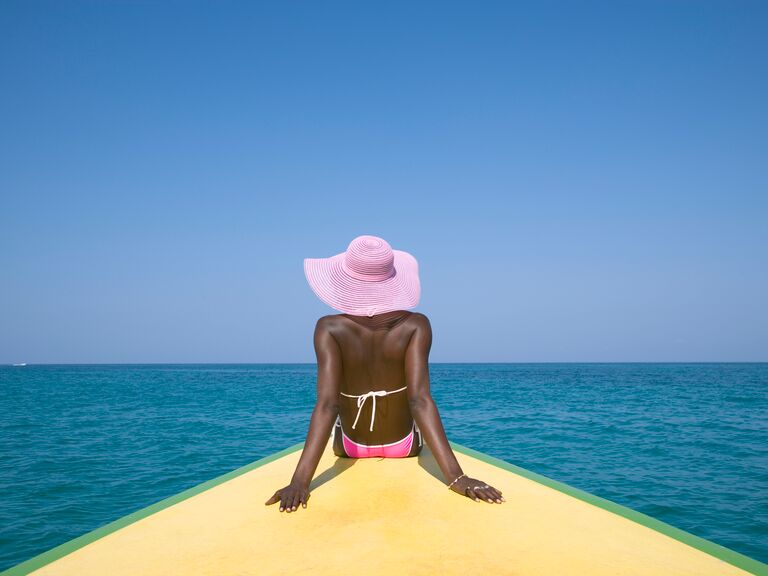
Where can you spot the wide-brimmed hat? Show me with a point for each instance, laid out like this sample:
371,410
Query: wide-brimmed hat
369,278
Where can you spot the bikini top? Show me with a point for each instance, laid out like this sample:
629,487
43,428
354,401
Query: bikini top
372,394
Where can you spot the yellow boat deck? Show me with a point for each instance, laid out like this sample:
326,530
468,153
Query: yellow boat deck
387,516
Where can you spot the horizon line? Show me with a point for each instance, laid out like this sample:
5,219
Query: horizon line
27,364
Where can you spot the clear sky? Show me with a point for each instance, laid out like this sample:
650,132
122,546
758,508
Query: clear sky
579,181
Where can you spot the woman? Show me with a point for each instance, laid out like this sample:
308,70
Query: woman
372,364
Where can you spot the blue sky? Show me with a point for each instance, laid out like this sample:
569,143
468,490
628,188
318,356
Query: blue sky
579,181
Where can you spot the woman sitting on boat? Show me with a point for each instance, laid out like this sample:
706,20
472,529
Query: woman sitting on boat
372,370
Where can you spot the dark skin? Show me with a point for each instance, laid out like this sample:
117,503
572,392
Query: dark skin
382,352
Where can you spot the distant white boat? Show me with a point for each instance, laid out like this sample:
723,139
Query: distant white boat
22,364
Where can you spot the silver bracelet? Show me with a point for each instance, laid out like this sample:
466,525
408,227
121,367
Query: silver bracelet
452,483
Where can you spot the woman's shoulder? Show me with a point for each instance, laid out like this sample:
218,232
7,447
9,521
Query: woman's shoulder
413,318
329,320
419,317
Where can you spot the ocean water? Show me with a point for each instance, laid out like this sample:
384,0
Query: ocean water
82,445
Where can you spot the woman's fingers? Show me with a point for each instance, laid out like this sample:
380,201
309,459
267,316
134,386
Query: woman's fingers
481,491
482,494
290,497
490,494
288,501
285,505
275,497
295,500
478,490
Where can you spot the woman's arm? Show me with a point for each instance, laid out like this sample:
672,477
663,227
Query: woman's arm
423,407
321,422
424,411
327,405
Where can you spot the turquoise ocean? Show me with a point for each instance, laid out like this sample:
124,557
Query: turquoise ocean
82,445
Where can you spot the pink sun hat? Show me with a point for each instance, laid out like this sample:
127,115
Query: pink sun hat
369,278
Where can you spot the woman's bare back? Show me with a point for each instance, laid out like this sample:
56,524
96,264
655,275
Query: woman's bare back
373,358
357,355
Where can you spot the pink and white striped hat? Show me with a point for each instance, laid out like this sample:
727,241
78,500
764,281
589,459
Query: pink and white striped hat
368,279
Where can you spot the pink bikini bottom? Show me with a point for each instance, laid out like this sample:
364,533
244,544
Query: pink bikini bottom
399,449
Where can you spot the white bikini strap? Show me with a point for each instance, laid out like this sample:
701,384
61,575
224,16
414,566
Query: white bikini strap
372,394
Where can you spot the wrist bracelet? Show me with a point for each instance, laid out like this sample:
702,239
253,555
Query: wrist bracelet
454,481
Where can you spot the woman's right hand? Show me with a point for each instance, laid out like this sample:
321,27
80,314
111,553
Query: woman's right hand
290,497
477,489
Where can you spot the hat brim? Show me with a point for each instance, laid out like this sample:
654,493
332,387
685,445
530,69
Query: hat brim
342,292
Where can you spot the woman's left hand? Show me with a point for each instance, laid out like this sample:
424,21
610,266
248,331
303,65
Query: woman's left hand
477,489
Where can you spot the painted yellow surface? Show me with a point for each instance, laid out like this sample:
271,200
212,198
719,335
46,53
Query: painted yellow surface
385,516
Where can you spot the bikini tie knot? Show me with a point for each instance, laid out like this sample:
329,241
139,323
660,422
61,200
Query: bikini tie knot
361,400
372,394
